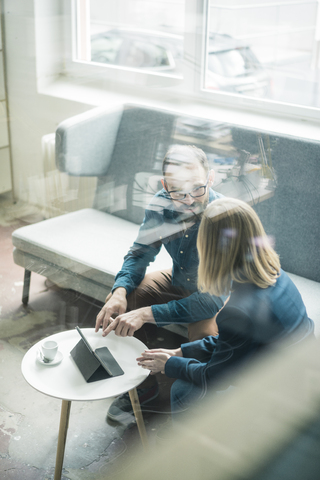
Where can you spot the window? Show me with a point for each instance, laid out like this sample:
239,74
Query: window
260,53
137,34
264,48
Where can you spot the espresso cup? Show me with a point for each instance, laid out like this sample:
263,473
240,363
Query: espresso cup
49,349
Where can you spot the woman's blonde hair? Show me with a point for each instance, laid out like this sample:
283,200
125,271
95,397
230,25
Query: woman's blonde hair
233,246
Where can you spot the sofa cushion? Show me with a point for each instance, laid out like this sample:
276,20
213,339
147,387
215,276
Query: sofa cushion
87,242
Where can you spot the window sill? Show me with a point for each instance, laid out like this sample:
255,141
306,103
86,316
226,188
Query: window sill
67,89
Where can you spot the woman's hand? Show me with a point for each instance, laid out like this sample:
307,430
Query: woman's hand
156,359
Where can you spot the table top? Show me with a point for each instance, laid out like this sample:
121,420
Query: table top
65,380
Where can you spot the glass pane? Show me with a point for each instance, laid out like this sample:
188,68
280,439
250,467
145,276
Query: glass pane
264,49
105,48
81,156
138,34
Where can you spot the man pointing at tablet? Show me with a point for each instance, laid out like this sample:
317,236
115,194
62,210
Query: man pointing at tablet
170,296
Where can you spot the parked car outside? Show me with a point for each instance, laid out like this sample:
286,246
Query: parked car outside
231,65
156,52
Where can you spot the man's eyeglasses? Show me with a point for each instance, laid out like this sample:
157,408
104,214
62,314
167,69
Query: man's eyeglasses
196,193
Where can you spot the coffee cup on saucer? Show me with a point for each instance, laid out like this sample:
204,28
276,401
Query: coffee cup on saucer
48,351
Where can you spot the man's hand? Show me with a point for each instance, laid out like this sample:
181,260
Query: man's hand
156,359
126,324
116,303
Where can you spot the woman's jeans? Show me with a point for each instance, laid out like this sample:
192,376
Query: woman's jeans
182,395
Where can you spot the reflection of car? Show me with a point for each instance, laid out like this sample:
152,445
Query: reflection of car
158,52
231,66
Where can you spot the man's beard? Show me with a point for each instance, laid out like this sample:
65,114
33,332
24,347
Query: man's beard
193,211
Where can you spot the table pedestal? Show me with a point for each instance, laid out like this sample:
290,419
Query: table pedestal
62,438
64,424
133,394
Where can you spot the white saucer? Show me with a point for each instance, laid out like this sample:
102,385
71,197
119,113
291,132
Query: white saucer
58,358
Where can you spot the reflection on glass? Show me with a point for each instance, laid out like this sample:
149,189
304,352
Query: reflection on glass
105,48
233,67
231,63
137,34
267,49
242,161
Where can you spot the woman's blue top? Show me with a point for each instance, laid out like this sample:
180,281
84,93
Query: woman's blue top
253,319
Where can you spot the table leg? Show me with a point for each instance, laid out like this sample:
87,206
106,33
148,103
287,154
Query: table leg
26,287
137,413
62,438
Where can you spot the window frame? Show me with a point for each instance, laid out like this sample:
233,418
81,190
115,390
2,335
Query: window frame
189,88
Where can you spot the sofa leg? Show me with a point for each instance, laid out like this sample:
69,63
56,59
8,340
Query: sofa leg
26,287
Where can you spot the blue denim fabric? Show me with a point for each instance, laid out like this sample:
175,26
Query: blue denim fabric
164,226
253,319
182,395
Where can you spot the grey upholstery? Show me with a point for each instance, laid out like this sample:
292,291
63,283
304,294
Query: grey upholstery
291,213
124,148
143,138
85,143
81,250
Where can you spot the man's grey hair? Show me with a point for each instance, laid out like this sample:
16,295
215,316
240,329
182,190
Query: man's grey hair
184,155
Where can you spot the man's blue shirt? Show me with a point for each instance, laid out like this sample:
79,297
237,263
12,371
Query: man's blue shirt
164,225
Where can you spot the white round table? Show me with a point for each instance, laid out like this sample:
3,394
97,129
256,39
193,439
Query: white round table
65,381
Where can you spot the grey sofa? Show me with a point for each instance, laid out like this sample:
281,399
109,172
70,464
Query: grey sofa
124,148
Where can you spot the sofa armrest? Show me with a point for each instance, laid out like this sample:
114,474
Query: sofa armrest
85,142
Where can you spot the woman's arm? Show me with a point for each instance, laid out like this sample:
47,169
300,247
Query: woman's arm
156,359
234,345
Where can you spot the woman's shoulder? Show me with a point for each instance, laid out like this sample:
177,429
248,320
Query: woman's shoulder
248,297
285,284
282,296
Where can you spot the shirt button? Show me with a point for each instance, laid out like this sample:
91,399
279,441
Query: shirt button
181,268
187,236
181,251
188,279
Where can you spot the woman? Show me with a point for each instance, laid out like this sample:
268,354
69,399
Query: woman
264,306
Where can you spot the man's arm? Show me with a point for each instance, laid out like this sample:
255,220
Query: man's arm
126,324
144,251
198,306
116,303
134,266
131,274
128,278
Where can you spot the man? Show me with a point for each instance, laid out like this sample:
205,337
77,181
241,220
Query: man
171,219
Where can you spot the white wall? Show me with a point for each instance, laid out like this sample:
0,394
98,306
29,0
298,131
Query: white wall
5,167
32,115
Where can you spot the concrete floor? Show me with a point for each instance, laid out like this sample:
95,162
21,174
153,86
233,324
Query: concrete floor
29,420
